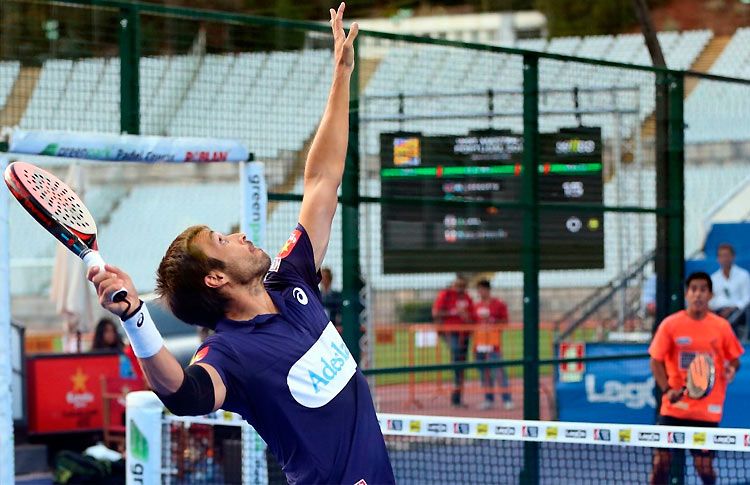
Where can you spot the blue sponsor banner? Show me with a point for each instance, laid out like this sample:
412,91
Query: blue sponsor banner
622,391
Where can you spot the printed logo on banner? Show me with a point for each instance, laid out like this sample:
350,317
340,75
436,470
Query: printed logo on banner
551,432
529,431
482,429
699,438
578,434
505,430
415,426
461,428
634,395
602,435
723,439
624,435
437,427
138,443
395,424
79,397
747,440
649,436
676,437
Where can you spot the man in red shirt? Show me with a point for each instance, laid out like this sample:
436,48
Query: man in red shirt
492,315
679,339
453,306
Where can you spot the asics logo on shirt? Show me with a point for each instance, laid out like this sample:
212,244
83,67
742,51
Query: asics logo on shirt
323,371
300,296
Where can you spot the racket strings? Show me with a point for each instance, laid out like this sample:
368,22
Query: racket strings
700,376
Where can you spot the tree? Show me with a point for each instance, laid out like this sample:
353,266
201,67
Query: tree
585,17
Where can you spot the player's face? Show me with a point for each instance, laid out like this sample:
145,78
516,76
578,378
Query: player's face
244,261
483,292
698,295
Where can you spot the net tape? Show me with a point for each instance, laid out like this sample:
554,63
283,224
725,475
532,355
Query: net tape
638,435
647,436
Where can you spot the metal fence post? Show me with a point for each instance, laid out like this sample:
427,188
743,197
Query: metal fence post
530,255
661,259
351,278
676,199
130,54
675,151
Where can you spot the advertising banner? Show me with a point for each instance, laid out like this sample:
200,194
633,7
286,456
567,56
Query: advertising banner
622,391
143,438
64,391
254,203
571,371
127,148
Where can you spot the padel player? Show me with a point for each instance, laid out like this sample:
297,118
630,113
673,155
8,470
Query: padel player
678,340
275,357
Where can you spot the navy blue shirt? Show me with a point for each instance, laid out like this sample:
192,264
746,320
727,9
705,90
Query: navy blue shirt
291,376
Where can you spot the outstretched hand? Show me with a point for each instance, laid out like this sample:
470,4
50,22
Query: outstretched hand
109,282
343,45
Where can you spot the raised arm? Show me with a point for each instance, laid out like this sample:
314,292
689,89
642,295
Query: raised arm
194,391
325,162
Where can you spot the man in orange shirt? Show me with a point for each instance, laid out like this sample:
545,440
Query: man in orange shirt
680,337
453,306
492,315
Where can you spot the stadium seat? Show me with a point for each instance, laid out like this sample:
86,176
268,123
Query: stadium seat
9,71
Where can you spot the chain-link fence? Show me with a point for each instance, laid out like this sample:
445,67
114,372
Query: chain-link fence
553,181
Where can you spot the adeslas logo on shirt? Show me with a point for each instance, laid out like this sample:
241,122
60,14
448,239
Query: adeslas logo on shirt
329,368
323,371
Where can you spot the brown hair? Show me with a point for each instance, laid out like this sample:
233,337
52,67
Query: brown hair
180,281
726,246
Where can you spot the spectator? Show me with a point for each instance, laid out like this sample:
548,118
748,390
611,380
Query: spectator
106,337
331,299
648,296
731,288
453,306
679,339
488,343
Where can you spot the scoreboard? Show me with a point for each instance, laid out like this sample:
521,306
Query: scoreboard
485,167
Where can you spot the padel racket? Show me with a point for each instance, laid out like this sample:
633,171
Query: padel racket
701,375
59,210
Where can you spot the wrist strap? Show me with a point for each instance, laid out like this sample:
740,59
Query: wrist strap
143,335
129,314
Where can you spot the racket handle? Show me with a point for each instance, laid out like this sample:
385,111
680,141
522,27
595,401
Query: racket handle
93,258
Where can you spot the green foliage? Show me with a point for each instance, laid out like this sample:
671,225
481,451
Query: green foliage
586,17
415,312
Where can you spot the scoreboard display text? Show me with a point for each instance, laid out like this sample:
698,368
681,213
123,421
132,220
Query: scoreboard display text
486,167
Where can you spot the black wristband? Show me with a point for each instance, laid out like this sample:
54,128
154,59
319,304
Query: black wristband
128,316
